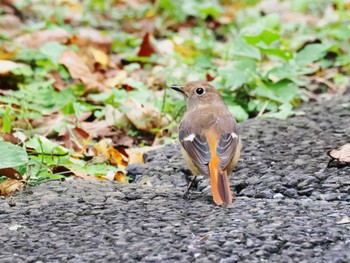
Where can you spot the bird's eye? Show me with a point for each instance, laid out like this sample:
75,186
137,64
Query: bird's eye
200,91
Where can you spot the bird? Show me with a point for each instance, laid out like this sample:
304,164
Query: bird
209,137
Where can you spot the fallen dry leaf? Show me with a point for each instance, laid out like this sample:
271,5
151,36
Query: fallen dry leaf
46,125
20,136
79,70
15,227
117,79
85,176
11,173
99,56
10,186
165,47
77,139
146,49
92,37
74,11
109,176
136,154
340,155
6,66
284,9
118,176
59,82
39,38
62,170
10,24
96,128
114,117
9,137
115,157
145,116
344,220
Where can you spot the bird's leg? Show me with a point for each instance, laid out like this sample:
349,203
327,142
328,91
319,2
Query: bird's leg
190,185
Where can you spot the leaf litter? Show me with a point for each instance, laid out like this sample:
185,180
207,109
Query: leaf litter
83,84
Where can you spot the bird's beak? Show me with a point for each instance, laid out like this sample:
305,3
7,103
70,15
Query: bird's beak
178,88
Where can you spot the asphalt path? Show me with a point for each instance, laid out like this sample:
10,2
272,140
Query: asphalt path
289,207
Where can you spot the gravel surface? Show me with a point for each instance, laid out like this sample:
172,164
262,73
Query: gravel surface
289,206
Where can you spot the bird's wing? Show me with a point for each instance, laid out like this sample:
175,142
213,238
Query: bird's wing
227,148
197,148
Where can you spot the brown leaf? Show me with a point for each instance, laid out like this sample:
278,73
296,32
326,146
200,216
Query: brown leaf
10,186
99,56
115,157
114,117
340,157
77,139
117,79
209,77
11,173
39,38
145,117
120,177
10,24
136,154
146,48
59,82
46,125
9,137
62,170
341,154
122,138
79,70
96,128
90,36
85,176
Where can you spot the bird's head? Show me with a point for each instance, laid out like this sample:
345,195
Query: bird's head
198,93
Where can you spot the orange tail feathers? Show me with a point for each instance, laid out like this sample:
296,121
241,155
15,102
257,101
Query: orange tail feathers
220,186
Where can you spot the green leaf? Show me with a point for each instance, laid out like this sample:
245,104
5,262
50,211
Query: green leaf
285,110
53,51
25,71
238,73
47,151
7,123
95,169
311,53
43,145
203,9
289,71
238,112
266,36
341,32
286,90
241,48
284,54
12,155
267,93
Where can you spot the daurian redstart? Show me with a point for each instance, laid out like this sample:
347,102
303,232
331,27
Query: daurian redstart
209,137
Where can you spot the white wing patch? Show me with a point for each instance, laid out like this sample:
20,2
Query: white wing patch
234,135
190,137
